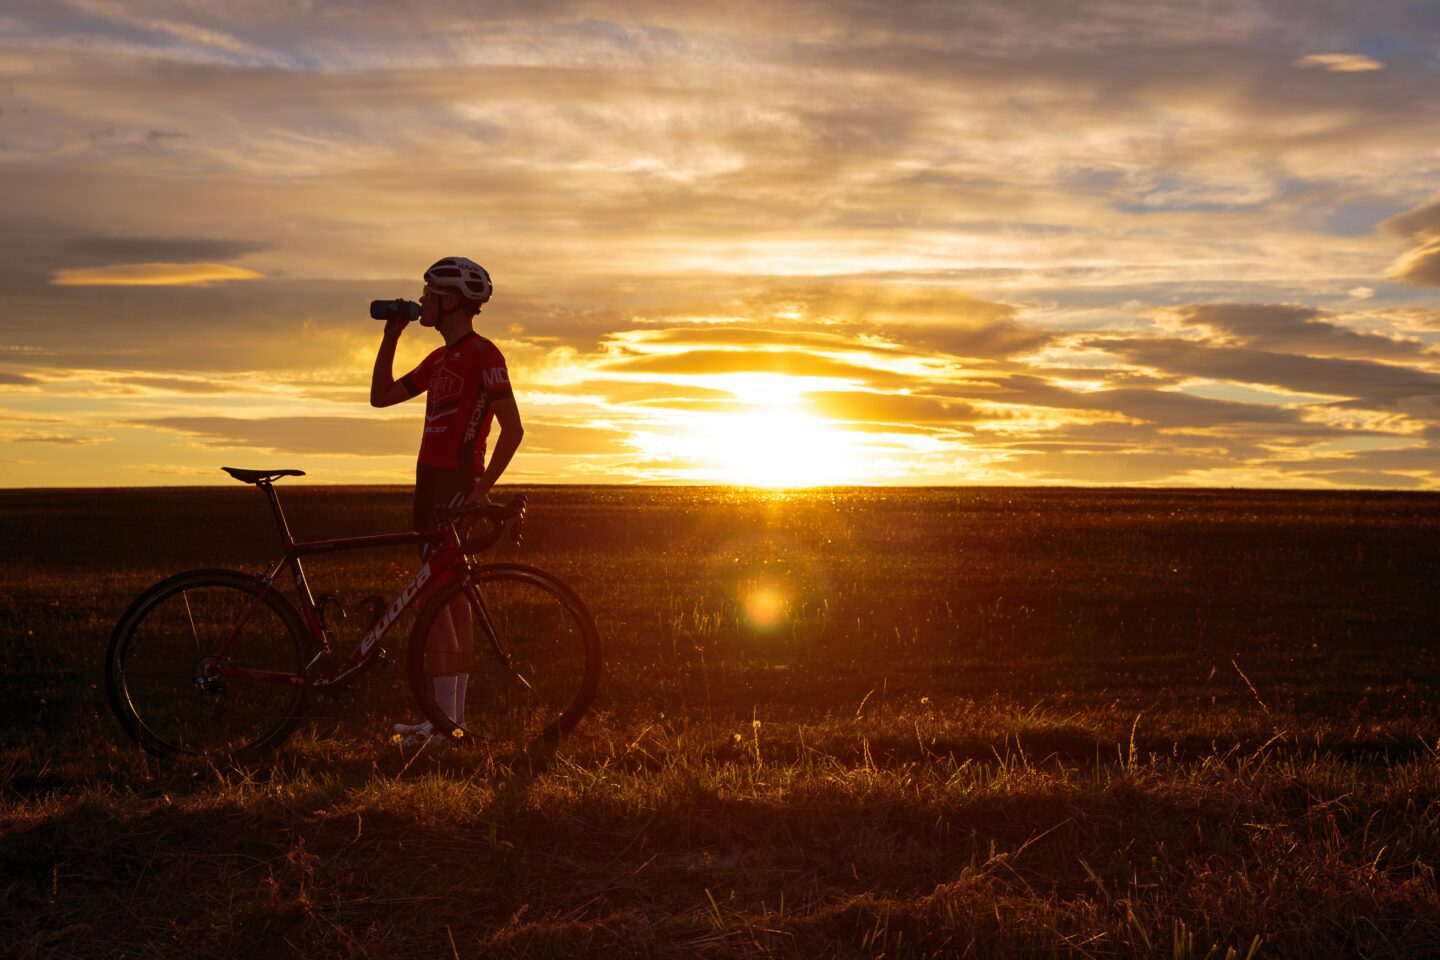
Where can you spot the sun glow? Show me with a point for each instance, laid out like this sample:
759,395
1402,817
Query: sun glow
776,448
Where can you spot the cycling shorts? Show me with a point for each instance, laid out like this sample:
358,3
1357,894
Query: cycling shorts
438,487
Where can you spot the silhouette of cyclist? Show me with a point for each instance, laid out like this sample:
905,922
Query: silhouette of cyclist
467,387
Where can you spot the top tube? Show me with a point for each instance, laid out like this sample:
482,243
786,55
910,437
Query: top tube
496,516
309,547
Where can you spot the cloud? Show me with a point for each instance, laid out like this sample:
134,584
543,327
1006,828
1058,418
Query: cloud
371,437
152,275
59,440
1340,62
32,419
1364,478
864,407
737,336
1381,384
1115,466
1168,409
17,379
131,249
783,362
1416,458
825,314
544,435
1173,410
642,393
177,385
261,327
1421,264
1292,328
1418,224
1002,339
178,28
325,436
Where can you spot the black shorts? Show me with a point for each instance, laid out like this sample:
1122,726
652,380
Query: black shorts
438,487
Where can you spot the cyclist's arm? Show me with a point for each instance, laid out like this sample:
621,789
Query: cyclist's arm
385,390
507,415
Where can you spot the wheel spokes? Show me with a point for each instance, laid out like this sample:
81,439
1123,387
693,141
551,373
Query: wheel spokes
169,664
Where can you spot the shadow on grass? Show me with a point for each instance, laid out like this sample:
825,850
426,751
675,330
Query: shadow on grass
555,859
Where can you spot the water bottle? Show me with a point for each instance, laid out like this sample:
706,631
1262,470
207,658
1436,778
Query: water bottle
390,309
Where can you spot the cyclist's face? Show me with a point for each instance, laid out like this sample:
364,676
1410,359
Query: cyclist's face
431,306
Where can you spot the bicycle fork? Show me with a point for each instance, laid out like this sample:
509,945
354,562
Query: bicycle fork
492,632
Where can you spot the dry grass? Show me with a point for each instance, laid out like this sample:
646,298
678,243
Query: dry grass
990,723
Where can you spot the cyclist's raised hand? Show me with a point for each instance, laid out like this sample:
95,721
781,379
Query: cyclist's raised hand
396,325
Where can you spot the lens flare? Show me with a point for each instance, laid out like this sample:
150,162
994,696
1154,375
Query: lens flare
764,607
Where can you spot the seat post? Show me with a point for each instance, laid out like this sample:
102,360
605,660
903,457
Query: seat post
274,499
301,584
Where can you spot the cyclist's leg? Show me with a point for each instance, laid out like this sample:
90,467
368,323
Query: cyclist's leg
451,649
463,628
459,620
429,493
451,636
536,664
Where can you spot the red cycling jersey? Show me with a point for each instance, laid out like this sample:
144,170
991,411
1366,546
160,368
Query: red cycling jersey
463,380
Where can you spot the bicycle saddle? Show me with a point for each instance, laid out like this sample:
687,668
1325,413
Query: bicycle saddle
260,476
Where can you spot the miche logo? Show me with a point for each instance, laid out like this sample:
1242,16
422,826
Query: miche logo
496,375
397,607
477,414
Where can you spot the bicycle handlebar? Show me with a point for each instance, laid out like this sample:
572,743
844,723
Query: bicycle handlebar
495,516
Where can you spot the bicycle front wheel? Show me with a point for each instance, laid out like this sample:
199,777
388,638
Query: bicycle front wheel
511,660
209,662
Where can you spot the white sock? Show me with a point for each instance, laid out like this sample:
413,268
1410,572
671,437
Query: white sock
445,694
461,679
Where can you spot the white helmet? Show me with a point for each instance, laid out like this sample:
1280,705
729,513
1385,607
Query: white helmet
464,276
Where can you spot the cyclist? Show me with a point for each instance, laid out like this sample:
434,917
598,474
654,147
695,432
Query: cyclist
467,386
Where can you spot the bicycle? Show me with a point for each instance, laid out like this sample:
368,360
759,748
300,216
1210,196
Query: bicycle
219,662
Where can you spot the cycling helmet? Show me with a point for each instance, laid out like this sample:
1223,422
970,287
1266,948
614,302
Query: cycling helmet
464,276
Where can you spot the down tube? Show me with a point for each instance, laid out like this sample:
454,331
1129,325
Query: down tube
425,582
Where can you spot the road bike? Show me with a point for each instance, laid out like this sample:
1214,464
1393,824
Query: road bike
220,662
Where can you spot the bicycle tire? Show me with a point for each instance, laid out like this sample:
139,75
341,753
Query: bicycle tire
554,666
160,666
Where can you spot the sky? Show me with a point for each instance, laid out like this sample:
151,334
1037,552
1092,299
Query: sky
819,242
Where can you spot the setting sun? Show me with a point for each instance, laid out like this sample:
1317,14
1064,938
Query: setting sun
766,448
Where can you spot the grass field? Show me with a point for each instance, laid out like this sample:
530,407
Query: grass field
864,723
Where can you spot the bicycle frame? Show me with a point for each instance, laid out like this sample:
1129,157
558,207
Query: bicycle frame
435,572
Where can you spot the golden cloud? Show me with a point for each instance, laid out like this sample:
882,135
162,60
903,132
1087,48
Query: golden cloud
890,408
1340,62
1420,266
153,275
792,363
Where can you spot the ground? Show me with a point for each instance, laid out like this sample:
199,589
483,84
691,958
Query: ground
852,723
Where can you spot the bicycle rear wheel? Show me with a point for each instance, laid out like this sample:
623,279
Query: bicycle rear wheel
530,661
208,662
